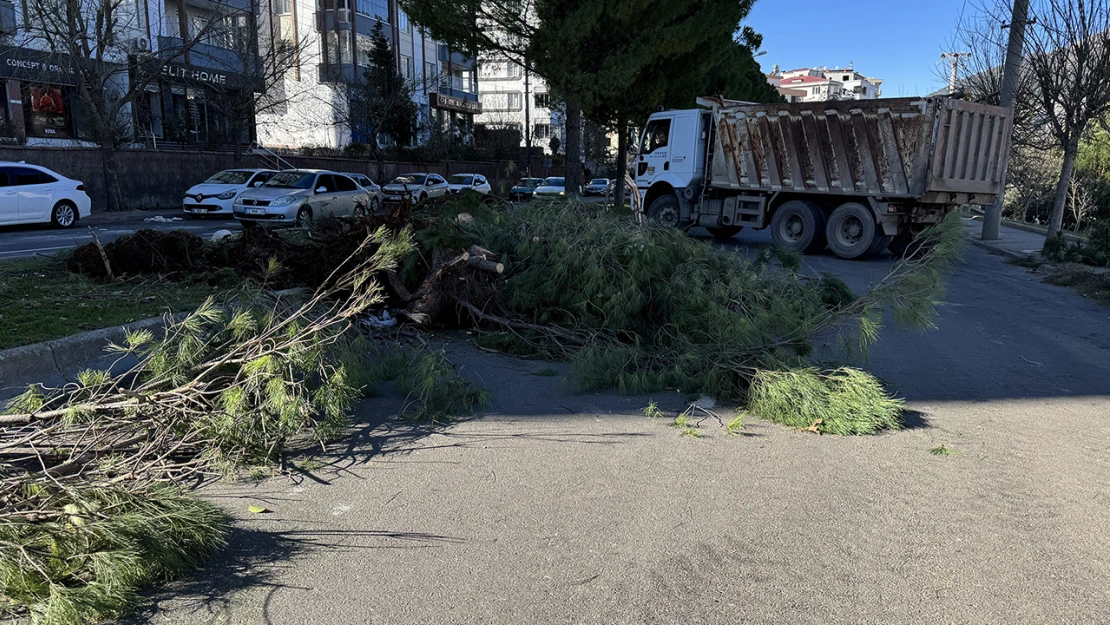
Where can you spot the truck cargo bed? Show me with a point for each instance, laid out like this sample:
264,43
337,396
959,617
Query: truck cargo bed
930,149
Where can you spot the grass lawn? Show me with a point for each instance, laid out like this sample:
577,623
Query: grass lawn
40,300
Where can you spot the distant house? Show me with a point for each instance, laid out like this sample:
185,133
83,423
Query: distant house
819,84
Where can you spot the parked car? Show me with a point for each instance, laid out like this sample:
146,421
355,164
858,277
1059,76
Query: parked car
31,194
216,196
474,182
416,186
373,191
599,186
551,187
297,196
524,189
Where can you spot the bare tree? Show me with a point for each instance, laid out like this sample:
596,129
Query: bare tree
94,44
1067,63
1081,201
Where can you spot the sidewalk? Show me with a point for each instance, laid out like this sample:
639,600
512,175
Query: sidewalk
1012,242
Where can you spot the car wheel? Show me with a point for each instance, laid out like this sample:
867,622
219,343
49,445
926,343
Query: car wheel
799,225
304,217
724,232
359,211
422,197
374,205
64,214
851,230
666,211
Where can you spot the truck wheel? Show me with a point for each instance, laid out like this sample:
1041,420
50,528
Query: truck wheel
881,241
666,211
799,225
851,230
724,232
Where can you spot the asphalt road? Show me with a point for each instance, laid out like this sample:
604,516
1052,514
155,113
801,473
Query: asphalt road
27,241
559,508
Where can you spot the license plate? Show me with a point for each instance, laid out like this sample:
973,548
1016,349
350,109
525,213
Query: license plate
256,211
395,198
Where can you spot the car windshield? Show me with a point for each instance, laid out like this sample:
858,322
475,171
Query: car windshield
410,179
231,176
460,179
555,182
291,180
599,181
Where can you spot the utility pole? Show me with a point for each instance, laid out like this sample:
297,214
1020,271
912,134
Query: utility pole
955,57
992,217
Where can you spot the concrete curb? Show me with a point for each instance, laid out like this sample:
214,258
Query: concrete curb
995,249
65,356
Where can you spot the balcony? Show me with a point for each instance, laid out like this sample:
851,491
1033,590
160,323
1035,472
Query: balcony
338,73
458,59
457,87
334,19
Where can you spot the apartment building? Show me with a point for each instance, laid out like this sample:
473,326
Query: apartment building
515,99
333,39
185,55
821,83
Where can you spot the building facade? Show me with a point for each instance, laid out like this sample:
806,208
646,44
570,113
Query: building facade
187,59
515,99
311,104
821,83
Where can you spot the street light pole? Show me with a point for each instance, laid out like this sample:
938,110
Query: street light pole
992,216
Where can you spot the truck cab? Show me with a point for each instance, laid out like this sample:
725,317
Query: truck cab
672,158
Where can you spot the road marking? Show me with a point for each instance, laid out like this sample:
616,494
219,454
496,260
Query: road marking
35,250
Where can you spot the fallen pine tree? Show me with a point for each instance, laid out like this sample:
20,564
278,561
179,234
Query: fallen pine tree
94,474
644,308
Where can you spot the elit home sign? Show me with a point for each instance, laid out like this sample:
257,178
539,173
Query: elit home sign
190,74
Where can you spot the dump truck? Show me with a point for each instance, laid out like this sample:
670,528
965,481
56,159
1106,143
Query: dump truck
857,176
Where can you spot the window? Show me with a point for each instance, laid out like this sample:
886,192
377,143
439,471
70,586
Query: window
542,100
847,78
326,182
510,101
343,183
434,179
261,177
374,8
407,70
283,7
430,72
21,176
48,117
403,21
656,135
541,131
499,69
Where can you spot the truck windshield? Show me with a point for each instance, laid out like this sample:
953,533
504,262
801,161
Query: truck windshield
656,134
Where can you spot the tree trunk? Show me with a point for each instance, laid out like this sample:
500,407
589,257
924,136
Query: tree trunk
622,161
111,178
573,147
1056,221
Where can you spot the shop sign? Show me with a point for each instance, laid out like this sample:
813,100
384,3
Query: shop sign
183,73
452,103
34,65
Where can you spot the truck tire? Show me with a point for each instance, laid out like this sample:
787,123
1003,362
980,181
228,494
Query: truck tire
724,232
799,225
665,210
881,241
851,230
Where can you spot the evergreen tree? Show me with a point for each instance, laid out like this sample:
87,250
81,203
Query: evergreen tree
382,103
619,60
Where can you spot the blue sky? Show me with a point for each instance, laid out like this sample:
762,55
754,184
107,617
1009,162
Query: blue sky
899,41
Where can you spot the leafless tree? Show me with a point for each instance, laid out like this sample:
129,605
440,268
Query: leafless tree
94,44
1067,61
1081,201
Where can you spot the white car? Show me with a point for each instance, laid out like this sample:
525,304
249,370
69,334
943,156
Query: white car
417,187
295,197
31,194
216,196
474,182
550,188
373,191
